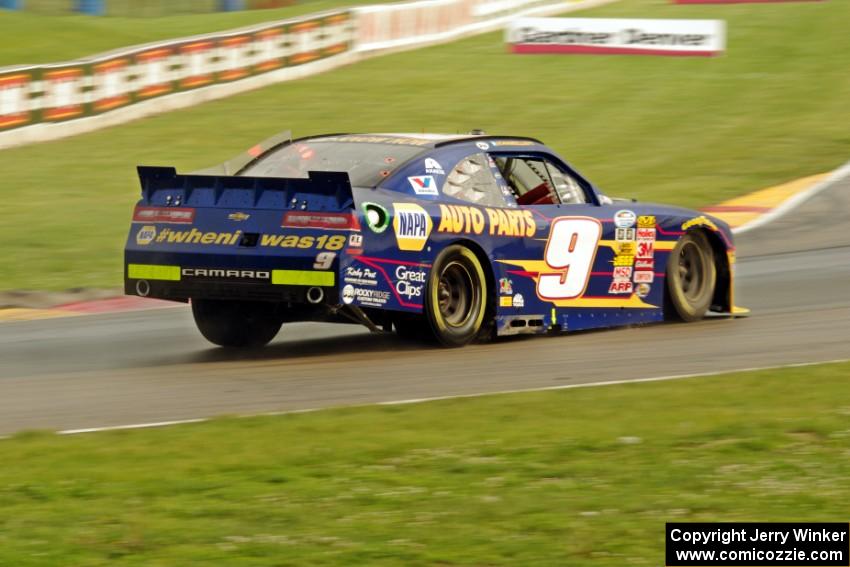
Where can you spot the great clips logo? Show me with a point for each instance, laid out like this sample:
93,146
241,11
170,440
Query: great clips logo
423,185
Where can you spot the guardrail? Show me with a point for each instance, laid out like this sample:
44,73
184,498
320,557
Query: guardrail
139,8
43,102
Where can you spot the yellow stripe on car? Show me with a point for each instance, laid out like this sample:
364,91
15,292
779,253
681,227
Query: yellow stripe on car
153,272
302,277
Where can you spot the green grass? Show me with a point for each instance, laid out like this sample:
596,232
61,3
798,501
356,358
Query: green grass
573,477
30,38
688,131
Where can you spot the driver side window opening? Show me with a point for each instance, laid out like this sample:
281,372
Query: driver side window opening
536,181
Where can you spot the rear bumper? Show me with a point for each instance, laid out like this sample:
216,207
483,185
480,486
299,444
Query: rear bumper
180,283
223,290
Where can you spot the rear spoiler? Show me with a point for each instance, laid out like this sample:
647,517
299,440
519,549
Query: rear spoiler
321,191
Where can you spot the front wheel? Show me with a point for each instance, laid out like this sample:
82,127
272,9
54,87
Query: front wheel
456,296
691,277
238,324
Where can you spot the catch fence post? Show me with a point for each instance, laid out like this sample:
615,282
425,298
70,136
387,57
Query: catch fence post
231,5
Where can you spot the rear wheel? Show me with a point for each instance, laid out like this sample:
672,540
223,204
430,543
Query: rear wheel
691,277
456,296
411,327
239,324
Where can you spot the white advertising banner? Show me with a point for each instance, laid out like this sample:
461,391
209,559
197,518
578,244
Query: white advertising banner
421,22
616,36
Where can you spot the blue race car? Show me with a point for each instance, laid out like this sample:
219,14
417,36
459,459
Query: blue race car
456,238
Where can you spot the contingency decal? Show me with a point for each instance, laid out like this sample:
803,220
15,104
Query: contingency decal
621,281
506,286
562,277
145,235
412,226
423,185
433,167
624,219
376,280
645,260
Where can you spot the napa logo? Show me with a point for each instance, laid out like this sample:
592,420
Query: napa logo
423,185
145,235
412,226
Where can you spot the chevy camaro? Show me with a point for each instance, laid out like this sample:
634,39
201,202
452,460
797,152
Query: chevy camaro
453,238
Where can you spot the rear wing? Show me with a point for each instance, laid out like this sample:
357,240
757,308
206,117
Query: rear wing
321,191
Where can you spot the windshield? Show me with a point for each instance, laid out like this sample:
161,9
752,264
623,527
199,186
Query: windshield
367,164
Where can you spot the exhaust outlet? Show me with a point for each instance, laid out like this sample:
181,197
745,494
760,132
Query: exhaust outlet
315,295
143,288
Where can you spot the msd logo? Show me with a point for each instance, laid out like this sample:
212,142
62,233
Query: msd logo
423,185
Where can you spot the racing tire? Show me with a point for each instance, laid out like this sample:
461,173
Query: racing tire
456,297
411,327
691,278
236,324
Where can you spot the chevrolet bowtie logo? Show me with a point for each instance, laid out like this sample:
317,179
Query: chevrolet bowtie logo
238,216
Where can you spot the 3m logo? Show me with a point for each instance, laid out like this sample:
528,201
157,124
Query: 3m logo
412,226
423,185
646,249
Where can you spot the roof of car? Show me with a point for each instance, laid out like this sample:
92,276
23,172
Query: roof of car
423,140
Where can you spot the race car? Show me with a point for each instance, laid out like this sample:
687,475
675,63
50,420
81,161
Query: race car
448,237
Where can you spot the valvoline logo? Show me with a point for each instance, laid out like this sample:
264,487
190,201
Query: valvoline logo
423,185
412,226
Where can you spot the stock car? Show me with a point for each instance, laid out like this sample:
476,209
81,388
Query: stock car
451,237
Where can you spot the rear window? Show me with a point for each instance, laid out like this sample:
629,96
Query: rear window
367,164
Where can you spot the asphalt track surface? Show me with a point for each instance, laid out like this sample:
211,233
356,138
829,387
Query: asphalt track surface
151,366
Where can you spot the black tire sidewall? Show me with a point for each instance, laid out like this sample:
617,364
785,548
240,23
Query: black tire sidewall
446,334
237,324
680,307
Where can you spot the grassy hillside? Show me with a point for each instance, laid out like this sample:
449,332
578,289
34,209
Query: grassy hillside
577,477
689,131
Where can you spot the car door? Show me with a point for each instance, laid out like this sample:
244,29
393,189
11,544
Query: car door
581,257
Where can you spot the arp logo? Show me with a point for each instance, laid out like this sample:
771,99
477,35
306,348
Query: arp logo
423,185
412,226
